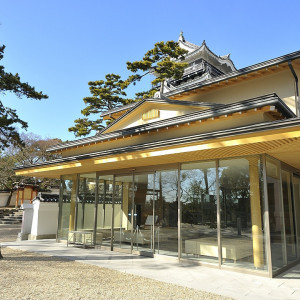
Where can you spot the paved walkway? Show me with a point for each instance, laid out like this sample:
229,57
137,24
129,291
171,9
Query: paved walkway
232,284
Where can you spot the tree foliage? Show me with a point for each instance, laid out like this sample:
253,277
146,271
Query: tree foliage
8,117
164,61
31,152
105,95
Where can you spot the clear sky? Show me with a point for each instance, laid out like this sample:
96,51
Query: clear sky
59,45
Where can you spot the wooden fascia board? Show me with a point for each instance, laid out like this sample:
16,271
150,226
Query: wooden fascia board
183,149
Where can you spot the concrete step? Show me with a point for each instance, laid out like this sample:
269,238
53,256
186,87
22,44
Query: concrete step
13,216
12,220
9,222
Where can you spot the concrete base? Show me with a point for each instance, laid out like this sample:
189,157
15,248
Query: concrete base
22,236
32,237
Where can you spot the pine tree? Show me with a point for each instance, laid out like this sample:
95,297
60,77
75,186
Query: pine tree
106,95
9,117
164,61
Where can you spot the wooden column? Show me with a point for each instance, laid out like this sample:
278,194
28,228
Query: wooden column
73,203
257,234
17,198
31,195
23,192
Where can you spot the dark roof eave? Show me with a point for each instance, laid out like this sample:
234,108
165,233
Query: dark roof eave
240,72
117,109
261,127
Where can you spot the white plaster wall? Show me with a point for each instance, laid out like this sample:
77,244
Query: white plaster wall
27,218
3,199
44,220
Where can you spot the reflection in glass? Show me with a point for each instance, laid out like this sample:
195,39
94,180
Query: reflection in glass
86,202
241,213
199,211
166,210
288,217
275,214
296,182
123,212
143,212
66,219
104,210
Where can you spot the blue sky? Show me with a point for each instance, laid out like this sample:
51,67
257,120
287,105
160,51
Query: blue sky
58,46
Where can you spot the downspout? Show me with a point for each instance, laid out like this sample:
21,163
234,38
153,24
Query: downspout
297,106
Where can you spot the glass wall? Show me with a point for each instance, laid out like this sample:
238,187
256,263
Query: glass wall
143,212
139,211
242,240
199,236
275,214
289,222
296,184
104,210
86,202
166,212
123,212
66,219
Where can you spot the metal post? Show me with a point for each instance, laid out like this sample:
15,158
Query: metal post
158,239
297,104
137,237
151,238
266,218
284,254
112,215
83,201
60,201
153,210
103,203
295,215
76,203
96,208
179,213
218,215
132,210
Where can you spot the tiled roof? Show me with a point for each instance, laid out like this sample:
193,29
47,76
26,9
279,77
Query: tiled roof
270,99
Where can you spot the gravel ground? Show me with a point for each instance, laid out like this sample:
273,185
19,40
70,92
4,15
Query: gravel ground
25,275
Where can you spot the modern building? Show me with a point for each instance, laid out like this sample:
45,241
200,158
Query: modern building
208,171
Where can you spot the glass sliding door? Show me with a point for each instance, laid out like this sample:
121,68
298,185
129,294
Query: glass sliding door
289,221
241,213
199,236
67,202
166,210
123,212
104,210
278,250
143,212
